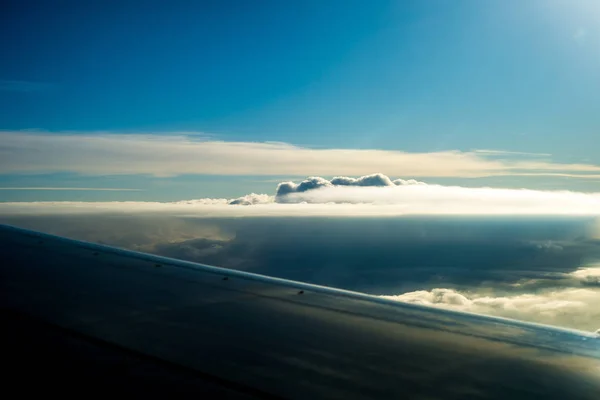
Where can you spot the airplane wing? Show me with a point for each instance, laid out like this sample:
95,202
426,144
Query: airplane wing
79,318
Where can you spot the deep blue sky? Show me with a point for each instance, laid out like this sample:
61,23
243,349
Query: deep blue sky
423,75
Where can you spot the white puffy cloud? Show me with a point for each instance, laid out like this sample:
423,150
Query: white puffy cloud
252,199
588,276
188,153
571,303
412,197
400,182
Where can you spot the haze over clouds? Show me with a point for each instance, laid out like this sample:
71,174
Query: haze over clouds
535,269
170,155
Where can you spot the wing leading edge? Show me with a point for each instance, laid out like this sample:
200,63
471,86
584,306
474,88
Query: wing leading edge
213,331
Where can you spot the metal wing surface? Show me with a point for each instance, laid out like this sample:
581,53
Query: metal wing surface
85,318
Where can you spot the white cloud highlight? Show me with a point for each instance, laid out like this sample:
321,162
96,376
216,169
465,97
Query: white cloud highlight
169,155
571,306
588,276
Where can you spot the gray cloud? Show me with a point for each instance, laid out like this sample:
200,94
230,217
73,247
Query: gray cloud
316,182
367,180
310,183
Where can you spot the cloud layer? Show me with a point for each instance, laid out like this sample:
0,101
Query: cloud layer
374,194
176,154
572,301
413,197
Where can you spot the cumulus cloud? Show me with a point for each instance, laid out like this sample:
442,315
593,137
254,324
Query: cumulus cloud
186,153
367,180
568,303
414,197
588,276
401,182
316,182
566,307
313,182
252,199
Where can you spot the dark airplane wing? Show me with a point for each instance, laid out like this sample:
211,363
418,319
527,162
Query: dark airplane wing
80,319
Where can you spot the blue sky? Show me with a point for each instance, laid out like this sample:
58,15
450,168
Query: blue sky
424,77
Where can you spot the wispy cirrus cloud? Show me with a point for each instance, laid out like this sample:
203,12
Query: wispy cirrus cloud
8,85
580,35
73,189
178,154
499,153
